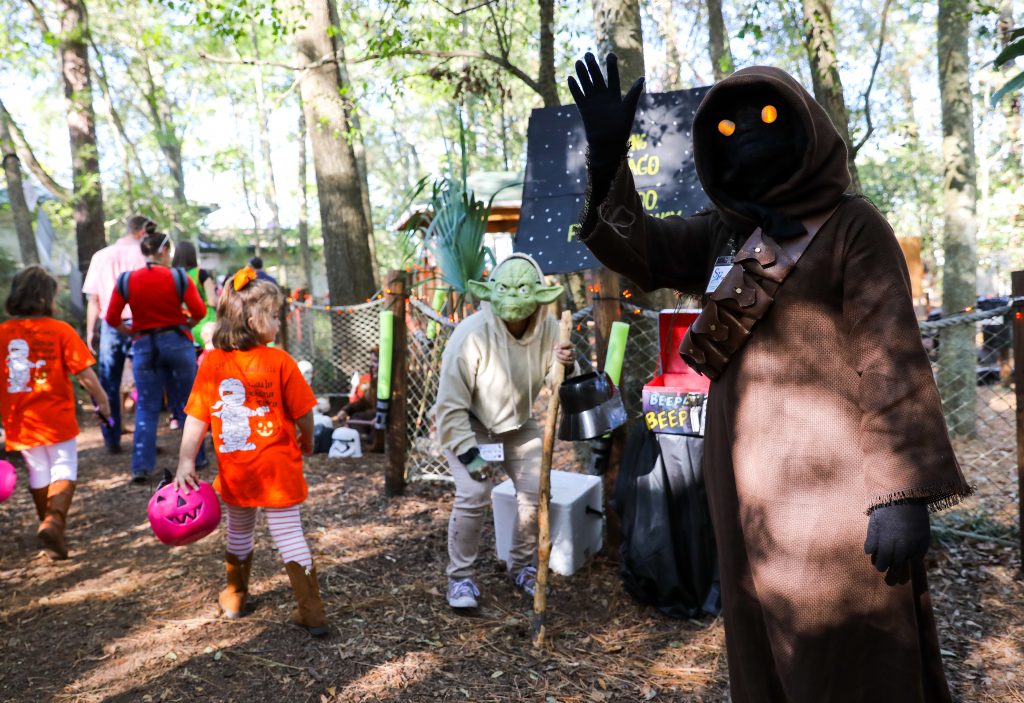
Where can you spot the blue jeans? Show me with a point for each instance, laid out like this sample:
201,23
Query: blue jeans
163,361
114,349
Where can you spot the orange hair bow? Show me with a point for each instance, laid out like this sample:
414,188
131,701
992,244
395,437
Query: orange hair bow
243,277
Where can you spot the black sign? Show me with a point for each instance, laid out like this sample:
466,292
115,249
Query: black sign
661,158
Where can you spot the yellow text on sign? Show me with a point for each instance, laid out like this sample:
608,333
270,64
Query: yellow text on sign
666,419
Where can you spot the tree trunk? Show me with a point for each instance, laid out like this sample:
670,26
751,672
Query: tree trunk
269,183
358,148
16,196
820,43
668,29
957,374
85,163
163,124
618,29
546,75
346,232
718,41
1011,103
307,259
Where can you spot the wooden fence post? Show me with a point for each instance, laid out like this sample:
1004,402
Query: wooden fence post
397,438
1017,317
607,309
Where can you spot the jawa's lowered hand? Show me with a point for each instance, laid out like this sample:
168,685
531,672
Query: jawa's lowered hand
897,534
607,116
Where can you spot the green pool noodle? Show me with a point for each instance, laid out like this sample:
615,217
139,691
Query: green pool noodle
440,295
387,339
616,351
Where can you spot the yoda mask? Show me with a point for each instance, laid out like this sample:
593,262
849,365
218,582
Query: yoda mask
515,289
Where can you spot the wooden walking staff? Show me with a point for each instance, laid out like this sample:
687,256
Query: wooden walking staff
540,594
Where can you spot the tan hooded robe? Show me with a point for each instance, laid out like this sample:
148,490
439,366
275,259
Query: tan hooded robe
827,412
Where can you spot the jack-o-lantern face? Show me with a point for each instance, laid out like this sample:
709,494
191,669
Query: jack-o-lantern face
182,510
265,428
179,518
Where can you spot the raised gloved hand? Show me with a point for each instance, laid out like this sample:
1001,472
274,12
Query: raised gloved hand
607,116
607,121
479,468
897,534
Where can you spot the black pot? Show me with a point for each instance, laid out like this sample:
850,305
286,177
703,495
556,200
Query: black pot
590,407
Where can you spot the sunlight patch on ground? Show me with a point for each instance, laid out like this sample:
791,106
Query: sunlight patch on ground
131,661
386,681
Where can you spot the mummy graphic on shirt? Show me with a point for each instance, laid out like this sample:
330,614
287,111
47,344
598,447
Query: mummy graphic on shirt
235,429
19,368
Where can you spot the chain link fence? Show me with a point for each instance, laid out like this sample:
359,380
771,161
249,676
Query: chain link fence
336,340
982,424
428,333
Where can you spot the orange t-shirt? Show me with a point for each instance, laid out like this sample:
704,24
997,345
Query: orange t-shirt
251,400
37,401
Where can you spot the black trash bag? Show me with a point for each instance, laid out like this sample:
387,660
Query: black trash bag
667,556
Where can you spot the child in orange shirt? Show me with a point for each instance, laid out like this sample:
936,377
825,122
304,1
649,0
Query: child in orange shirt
253,397
37,401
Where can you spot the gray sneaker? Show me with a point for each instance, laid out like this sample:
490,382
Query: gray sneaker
462,593
526,579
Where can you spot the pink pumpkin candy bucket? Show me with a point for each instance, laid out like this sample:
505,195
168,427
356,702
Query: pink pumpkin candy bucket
8,480
180,518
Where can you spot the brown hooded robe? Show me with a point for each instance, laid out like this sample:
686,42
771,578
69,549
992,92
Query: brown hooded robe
829,411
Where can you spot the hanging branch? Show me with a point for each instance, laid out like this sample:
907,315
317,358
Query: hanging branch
28,158
871,81
115,117
40,19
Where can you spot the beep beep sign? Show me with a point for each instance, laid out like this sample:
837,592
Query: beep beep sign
671,411
674,401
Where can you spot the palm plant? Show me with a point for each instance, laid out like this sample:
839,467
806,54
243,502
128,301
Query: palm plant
1012,50
455,234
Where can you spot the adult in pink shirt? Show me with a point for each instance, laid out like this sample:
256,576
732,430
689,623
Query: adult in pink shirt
100,281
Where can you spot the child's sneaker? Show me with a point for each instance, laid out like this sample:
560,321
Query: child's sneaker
526,580
462,593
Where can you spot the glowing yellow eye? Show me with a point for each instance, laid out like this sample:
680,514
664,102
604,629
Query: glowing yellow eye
769,114
727,127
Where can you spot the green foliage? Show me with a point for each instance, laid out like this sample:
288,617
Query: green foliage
454,233
1013,50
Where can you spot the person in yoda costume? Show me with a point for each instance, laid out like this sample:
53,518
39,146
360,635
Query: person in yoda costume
493,368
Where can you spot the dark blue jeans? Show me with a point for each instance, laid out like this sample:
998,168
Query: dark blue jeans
114,349
164,361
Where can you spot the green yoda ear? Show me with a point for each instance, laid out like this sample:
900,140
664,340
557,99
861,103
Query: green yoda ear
481,290
547,294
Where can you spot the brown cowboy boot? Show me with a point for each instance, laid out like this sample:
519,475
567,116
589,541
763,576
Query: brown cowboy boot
309,613
39,497
51,531
232,599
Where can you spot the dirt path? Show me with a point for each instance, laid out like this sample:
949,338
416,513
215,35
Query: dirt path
127,619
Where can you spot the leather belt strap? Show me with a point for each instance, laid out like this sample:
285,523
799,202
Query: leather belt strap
744,296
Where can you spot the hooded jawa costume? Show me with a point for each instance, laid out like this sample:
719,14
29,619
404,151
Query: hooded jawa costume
821,412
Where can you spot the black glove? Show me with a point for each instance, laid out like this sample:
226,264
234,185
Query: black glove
478,467
897,534
607,116
607,122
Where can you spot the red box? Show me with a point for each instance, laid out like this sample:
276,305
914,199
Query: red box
674,400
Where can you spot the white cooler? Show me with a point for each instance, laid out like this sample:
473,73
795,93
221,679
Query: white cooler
577,520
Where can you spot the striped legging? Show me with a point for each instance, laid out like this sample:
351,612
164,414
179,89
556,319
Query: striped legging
285,525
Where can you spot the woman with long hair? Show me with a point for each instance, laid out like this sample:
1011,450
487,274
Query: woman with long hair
163,355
